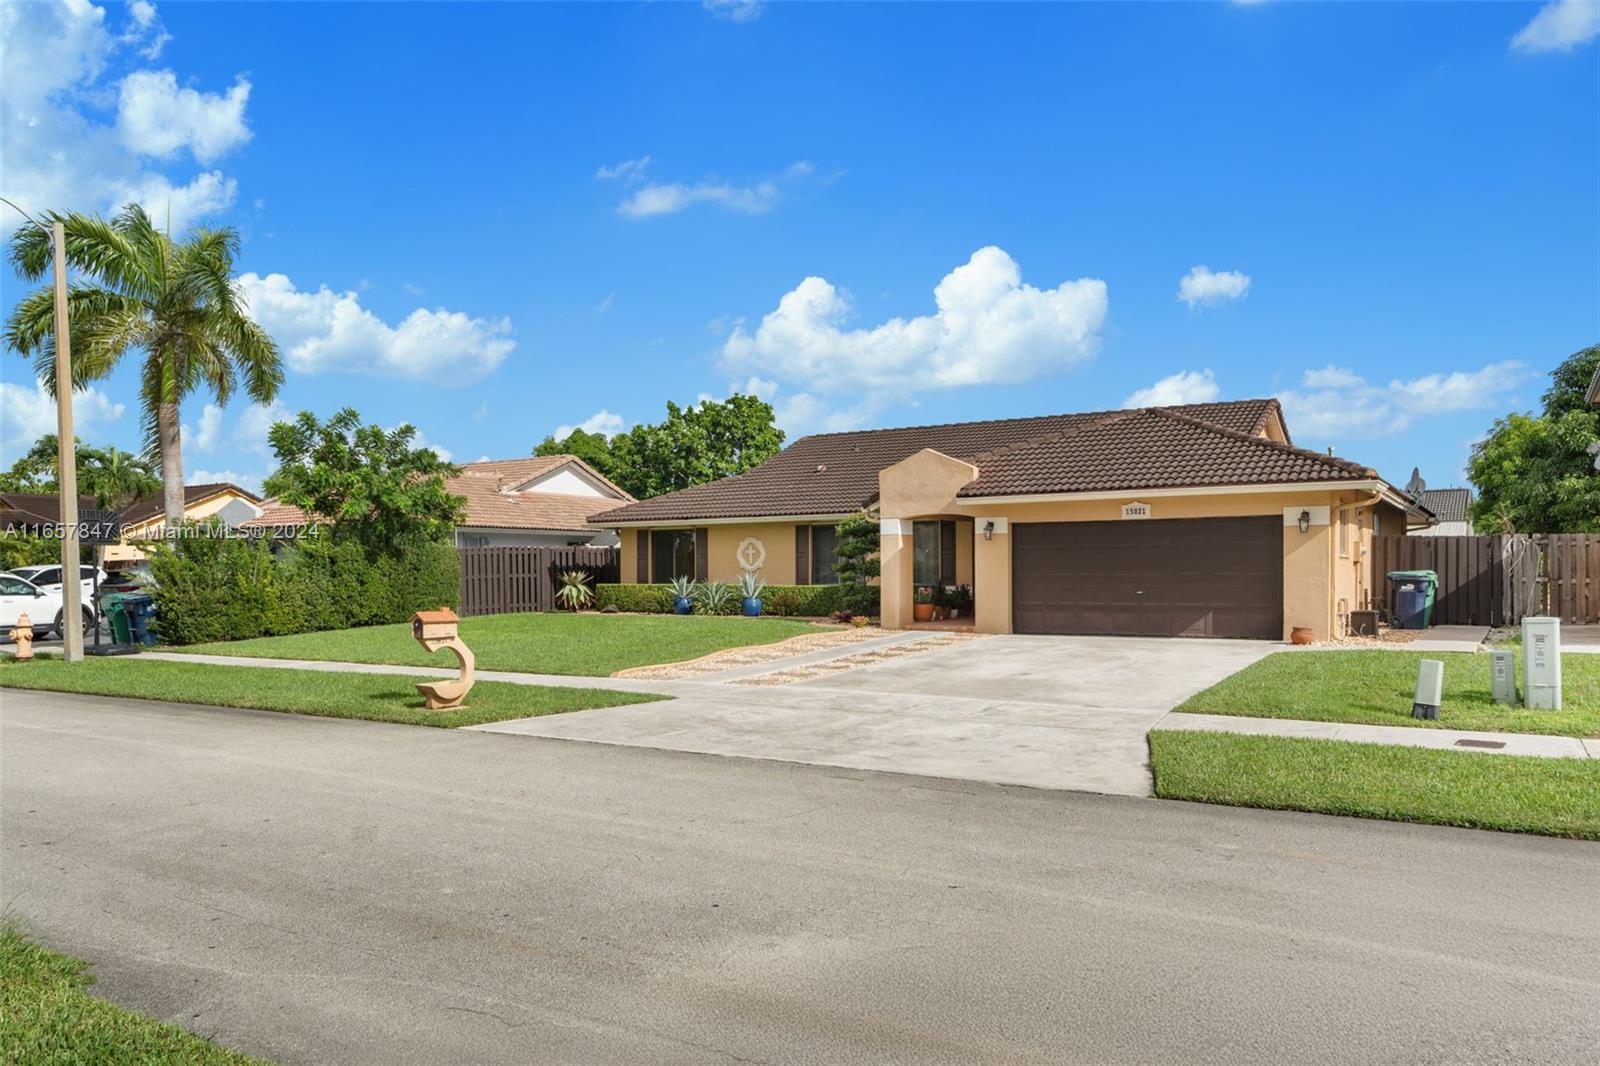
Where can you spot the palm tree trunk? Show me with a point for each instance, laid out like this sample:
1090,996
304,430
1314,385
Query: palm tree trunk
167,435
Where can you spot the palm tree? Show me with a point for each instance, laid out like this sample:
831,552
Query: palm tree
115,478
175,302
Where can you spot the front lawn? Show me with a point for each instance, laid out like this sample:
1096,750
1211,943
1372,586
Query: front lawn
378,697
46,1016
589,645
1516,793
1375,687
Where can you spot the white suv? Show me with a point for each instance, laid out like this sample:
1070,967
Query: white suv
42,606
47,576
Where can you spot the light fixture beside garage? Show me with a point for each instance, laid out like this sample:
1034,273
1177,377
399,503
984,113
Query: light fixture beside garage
1305,522
988,530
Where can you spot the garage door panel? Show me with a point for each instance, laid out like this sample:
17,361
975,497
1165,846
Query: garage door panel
1219,577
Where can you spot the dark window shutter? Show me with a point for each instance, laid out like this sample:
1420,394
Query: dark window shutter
702,541
642,577
802,555
947,553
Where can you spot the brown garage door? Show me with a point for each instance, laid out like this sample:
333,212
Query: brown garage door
1197,577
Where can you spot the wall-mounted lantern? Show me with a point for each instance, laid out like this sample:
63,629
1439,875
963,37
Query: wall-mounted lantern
988,530
1305,522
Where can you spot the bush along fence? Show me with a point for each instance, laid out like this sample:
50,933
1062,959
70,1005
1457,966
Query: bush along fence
1498,580
788,601
503,580
227,588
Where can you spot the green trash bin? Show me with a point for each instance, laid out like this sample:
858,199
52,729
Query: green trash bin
117,613
1427,583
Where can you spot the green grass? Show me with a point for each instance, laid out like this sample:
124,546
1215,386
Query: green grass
590,645
1375,687
1516,793
377,697
47,1018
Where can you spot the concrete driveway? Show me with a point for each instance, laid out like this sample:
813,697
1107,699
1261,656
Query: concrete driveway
1048,712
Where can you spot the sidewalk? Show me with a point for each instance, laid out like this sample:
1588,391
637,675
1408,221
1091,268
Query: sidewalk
1406,736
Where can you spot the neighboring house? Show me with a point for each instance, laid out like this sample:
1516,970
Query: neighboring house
1196,520
1452,511
544,501
143,519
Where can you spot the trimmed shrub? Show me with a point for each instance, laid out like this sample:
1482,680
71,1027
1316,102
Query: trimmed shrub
790,601
228,588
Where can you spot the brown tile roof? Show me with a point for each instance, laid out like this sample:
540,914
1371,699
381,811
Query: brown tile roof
151,508
27,510
1447,505
837,473
46,508
487,506
275,514
1149,449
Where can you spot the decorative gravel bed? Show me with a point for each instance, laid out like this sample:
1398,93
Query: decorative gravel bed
753,654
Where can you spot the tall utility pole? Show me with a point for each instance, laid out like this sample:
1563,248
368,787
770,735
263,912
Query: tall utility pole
66,462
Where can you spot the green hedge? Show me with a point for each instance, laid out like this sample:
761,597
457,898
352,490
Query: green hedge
792,601
220,588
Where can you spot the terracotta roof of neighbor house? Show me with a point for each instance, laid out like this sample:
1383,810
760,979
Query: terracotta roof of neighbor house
46,507
837,473
153,507
1448,505
488,505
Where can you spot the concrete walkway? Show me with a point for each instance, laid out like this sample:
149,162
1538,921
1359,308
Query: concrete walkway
1404,736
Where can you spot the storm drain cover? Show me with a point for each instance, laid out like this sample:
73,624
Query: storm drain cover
1480,743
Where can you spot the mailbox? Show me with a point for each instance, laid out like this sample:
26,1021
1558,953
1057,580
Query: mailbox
435,625
1541,663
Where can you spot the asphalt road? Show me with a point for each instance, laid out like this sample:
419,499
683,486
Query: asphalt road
314,890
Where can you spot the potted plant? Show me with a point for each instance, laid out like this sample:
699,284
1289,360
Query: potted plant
682,595
963,601
922,605
750,588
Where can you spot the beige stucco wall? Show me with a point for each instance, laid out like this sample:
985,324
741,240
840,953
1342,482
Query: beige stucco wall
127,553
722,543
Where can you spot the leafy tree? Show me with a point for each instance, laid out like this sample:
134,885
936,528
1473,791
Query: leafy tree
695,444
856,546
368,482
35,470
1536,474
592,448
112,476
174,302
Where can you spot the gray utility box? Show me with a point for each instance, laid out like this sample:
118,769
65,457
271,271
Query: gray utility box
1541,663
1503,676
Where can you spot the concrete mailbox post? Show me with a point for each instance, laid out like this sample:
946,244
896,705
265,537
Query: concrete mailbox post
1541,663
436,630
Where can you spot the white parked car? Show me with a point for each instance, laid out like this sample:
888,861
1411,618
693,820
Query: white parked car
47,576
42,606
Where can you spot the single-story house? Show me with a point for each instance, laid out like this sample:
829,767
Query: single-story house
543,501
140,520
1452,511
1191,520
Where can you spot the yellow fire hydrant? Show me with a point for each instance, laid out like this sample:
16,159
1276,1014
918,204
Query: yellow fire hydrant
23,636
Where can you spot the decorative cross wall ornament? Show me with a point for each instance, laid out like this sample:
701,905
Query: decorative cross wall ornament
751,554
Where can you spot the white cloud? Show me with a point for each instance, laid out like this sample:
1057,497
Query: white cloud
1335,401
1186,386
155,117
420,439
207,431
605,303
988,327
602,421
667,199
60,155
802,412
248,482
254,423
734,10
28,412
327,330
629,170
1203,287
1560,26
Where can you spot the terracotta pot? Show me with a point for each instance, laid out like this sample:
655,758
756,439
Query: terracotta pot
922,612
1301,635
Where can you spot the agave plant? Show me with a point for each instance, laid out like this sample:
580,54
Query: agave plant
683,588
751,586
714,597
574,593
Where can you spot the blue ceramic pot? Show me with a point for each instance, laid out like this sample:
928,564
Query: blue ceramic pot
752,606
682,605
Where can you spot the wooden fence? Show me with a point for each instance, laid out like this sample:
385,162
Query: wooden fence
503,580
1498,580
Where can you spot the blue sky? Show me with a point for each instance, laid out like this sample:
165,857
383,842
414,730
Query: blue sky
496,220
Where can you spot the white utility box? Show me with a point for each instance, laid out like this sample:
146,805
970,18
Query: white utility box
1503,676
1541,663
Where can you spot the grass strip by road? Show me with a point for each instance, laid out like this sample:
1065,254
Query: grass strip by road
376,697
1515,793
1375,687
46,1016
585,645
